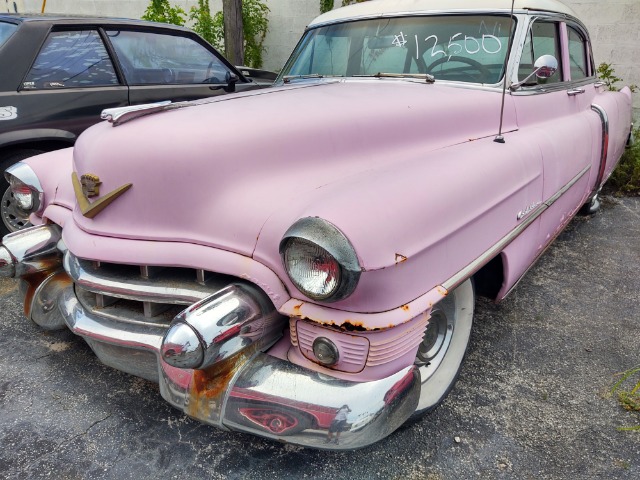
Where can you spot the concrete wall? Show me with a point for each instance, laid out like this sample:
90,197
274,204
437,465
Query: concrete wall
614,26
11,6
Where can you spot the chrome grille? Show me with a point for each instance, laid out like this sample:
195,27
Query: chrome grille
140,294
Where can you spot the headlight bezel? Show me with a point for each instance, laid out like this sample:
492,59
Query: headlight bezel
24,174
328,237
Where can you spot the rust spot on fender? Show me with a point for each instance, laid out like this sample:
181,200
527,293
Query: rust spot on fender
405,308
400,258
442,291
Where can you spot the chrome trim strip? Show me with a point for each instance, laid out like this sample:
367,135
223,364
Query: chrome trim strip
604,119
484,258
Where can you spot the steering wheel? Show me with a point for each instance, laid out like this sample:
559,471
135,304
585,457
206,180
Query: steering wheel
483,71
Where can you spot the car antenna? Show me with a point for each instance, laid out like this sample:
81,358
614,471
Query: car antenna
500,138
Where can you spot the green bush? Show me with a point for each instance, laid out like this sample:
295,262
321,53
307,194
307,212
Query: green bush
203,23
625,179
255,25
162,11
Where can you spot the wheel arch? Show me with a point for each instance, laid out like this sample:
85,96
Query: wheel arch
45,139
488,281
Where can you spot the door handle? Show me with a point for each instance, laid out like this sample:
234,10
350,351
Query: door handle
575,91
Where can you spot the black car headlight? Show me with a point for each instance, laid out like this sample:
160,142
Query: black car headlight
320,260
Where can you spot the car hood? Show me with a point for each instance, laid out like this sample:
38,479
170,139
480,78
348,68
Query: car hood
214,173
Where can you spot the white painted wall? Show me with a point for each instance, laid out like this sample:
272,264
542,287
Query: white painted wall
11,6
614,26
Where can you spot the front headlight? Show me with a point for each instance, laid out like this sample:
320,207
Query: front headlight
25,187
320,260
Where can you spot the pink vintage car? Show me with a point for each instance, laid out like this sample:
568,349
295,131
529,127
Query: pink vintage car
273,257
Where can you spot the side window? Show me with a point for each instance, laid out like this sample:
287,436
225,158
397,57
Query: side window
577,54
6,30
71,59
155,58
543,39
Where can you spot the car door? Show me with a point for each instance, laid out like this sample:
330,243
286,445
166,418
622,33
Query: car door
556,112
169,66
71,80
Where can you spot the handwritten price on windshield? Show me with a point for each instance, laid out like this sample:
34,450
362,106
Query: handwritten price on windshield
489,44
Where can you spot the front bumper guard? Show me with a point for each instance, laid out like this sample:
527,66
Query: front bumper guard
250,391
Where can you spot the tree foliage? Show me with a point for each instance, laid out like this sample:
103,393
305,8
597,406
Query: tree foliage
203,23
162,11
255,25
326,5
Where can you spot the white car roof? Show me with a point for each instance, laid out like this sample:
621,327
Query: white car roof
374,8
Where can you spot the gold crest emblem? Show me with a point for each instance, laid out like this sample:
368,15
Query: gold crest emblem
88,185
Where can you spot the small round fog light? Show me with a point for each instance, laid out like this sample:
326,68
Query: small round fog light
325,351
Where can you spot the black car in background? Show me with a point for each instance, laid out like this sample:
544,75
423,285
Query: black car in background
58,73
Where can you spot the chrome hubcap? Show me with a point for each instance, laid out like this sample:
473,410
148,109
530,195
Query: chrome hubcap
13,217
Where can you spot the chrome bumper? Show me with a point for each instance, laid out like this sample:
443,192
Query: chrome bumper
246,391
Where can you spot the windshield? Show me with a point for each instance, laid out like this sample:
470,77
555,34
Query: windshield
6,29
464,48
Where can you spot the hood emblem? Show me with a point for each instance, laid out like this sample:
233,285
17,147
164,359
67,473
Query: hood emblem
87,186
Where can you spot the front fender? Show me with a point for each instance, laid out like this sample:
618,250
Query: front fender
53,170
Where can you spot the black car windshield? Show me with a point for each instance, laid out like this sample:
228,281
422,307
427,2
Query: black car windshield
6,30
464,48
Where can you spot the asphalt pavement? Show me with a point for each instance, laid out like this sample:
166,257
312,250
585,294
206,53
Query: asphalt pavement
532,400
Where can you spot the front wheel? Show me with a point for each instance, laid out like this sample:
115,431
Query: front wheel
443,348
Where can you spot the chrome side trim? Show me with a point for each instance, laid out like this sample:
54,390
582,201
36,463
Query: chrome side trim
483,259
604,146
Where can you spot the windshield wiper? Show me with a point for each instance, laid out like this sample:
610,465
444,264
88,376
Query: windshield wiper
420,76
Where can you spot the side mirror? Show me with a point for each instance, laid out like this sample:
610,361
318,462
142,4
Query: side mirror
545,67
231,79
